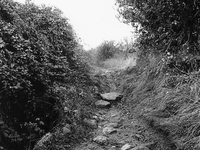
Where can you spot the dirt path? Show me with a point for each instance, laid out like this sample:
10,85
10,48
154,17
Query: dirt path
118,130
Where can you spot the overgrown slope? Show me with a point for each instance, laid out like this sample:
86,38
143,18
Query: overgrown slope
168,103
164,88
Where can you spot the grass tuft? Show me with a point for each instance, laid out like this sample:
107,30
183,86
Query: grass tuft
169,103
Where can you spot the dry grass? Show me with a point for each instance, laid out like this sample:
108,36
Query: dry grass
170,103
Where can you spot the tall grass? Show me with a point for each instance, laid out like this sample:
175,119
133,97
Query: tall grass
170,103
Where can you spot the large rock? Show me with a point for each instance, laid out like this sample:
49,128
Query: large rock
102,104
112,96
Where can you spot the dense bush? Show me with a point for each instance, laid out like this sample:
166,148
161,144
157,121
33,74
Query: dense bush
109,50
167,27
37,53
104,51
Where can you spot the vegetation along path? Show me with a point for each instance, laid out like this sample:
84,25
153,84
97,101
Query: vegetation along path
54,95
116,129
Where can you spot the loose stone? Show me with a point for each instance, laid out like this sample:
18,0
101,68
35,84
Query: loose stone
102,104
112,96
109,130
101,140
126,147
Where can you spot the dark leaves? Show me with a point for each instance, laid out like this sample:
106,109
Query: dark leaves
37,51
170,24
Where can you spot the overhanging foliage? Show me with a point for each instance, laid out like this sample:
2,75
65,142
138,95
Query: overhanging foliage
37,52
169,27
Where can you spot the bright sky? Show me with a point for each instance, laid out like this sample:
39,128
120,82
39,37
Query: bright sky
94,21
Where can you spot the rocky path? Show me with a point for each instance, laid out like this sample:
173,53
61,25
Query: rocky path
114,130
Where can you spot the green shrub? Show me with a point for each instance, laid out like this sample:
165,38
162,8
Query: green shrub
105,51
166,27
37,53
109,50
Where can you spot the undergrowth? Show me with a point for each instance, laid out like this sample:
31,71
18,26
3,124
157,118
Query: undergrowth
41,72
168,101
